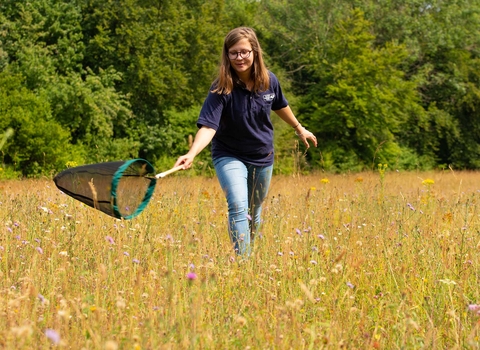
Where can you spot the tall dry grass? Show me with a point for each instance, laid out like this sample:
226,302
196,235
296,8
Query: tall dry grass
374,260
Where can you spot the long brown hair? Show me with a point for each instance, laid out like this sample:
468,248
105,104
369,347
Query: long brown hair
226,76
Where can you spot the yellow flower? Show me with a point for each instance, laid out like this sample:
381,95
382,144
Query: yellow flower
359,179
428,182
311,188
324,181
71,164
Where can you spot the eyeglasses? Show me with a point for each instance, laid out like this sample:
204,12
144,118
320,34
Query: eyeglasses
233,55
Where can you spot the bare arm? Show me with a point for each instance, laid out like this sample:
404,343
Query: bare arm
202,139
288,117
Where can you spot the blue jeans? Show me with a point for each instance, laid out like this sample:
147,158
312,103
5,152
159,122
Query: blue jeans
245,187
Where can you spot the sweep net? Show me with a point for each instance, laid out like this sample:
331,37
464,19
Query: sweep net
120,189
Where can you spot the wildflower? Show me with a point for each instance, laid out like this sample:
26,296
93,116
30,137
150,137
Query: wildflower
111,345
249,217
242,321
53,336
191,276
447,281
350,285
313,262
321,236
110,240
136,261
41,298
298,231
126,254
359,179
428,182
71,164
324,181
474,308
9,229
410,206
280,254
313,189
39,249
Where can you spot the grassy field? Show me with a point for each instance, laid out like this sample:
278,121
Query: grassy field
381,260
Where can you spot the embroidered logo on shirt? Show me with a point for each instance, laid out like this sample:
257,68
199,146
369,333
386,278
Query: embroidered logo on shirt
268,97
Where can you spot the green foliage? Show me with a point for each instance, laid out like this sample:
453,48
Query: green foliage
361,101
39,144
385,81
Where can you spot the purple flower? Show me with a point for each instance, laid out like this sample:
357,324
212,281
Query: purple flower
110,240
321,236
349,285
53,335
41,298
9,229
136,261
191,276
38,240
39,249
474,308
16,224
298,231
126,254
191,266
410,206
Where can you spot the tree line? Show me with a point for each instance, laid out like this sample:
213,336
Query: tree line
378,81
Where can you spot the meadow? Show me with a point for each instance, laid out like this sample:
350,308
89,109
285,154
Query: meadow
377,260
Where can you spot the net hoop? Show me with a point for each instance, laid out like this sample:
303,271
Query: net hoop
116,179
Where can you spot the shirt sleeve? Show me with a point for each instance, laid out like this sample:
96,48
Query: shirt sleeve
280,100
211,111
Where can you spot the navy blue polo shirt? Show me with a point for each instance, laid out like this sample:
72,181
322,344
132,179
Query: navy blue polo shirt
242,122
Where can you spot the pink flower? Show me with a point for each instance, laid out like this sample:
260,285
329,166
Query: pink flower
191,276
53,336
474,308
110,240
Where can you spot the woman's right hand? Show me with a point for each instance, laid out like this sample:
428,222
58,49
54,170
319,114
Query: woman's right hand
202,139
185,160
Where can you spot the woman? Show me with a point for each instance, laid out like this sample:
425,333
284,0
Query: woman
235,117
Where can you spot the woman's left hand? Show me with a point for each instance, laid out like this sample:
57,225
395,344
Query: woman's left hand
305,135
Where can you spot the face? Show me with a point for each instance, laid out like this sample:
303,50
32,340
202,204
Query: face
241,65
